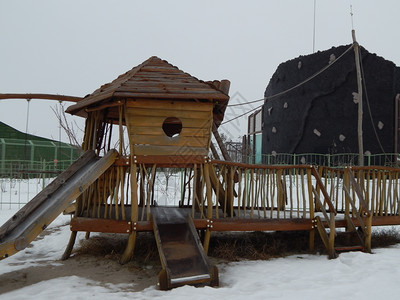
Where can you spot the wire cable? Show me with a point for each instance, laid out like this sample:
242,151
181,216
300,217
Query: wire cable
247,112
285,91
311,77
368,105
245,103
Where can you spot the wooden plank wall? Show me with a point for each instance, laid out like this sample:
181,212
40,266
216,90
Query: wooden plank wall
145,119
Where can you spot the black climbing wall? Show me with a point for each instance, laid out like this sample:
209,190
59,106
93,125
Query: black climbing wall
320,116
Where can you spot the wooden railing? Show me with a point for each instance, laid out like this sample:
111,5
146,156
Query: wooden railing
262,192
229,192
232,190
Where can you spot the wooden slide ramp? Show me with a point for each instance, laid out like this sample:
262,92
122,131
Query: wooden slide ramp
37,214
181,253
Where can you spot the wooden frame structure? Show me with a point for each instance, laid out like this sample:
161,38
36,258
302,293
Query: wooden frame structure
167,117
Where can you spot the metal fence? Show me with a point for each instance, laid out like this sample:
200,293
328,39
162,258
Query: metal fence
21,180
327,160
30,155
32,169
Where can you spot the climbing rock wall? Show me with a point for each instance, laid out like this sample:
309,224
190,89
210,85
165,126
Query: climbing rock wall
320,116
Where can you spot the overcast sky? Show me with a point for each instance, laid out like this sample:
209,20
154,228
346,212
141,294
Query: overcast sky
73,47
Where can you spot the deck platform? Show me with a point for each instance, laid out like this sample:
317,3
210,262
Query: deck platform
276,223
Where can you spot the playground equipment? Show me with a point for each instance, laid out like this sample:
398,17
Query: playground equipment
34,217
170,116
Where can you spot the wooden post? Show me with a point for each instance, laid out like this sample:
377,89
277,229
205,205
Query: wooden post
207,235
221,145
332,233
128,253
346,183
70,246
311,204
396,124
214,151
368,233
360,102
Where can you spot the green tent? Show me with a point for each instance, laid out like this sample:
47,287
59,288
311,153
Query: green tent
30,153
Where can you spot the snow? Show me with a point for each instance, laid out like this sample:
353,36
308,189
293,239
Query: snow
354,274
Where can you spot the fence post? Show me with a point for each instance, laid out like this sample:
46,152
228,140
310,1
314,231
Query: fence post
43,173
311,204
32,154
346,183
3,155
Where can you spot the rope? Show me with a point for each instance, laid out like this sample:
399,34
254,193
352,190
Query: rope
239,104
286,91
311,77
368,105
223,123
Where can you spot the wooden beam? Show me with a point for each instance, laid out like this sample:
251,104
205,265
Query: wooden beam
323,190
221,144
255,224
177,161
376,221
360,101
253,166
297,224
168,150
100,225
41,96
188,95
97,225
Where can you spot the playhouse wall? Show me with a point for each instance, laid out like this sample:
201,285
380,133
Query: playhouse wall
145,119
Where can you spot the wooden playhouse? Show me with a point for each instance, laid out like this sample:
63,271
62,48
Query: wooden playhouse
161,117
168,116
158,118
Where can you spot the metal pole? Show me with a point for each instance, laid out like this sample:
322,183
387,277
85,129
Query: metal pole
313,46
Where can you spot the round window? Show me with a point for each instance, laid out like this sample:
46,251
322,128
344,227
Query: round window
172,126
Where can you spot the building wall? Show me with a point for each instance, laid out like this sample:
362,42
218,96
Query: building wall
320,116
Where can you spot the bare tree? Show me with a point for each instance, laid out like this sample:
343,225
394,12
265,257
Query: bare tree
70,128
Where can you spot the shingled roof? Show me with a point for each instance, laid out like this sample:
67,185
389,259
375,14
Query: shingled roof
157,79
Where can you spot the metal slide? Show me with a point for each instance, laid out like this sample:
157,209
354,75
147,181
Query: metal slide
37,214
181,252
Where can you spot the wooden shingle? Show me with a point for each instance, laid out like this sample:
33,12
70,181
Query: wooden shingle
155,79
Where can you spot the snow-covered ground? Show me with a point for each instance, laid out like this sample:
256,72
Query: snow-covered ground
365,276
356,274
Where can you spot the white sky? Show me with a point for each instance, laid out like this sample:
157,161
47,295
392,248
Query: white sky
73,47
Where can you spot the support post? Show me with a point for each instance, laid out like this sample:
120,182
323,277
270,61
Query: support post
128,253
360,101
221,145
70,246
396,124
214,151
346,183
207,235
367,233
311,204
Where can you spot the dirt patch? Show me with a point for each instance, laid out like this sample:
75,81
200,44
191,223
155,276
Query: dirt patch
100,269
97,258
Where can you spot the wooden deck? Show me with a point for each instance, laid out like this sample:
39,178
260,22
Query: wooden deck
111,225
221,196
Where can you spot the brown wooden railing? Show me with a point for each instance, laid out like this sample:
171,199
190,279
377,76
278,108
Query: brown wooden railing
219,190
